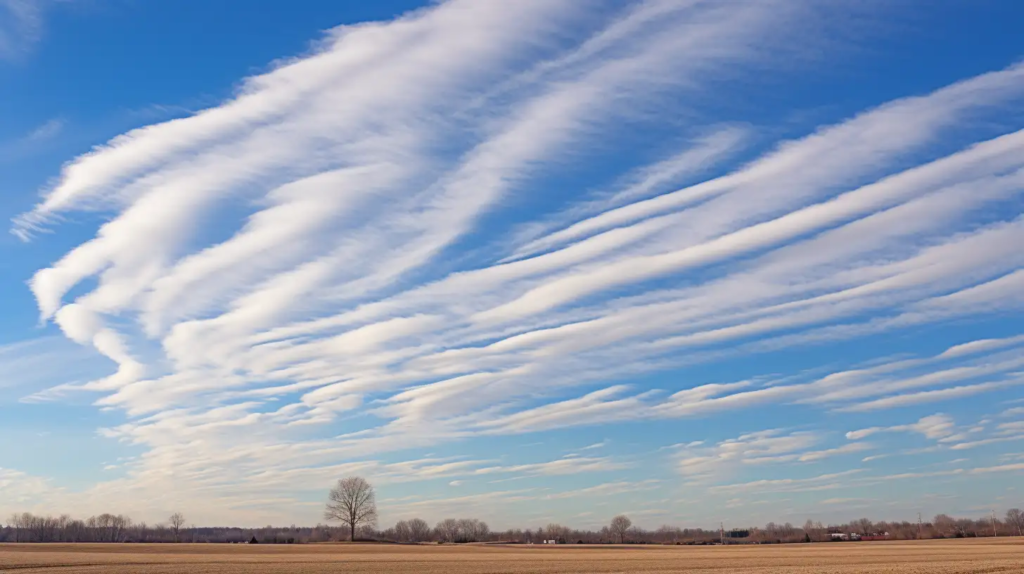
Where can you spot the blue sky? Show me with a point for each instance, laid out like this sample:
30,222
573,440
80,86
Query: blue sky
550,262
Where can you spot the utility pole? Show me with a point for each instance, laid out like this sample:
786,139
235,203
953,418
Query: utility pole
721,532
920,527
994,532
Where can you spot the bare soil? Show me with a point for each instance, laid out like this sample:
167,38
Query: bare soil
977,556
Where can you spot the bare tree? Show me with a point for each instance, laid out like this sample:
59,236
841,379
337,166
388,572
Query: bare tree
557,532
814,530
482,530
1015,518
472,530
177,520
402,532
367,532
637,534
447,530
352,501
419,530
944,524
964,526
669,533
864,525
14,523
620,526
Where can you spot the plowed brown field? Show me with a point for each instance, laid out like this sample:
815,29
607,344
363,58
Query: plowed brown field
929,557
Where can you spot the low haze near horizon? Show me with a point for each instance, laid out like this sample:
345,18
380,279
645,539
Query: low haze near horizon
530,262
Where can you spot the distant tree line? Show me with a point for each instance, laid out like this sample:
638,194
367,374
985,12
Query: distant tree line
28,527
352,502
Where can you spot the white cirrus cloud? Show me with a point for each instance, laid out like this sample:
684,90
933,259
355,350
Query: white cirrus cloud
935,426
21,23
346,240
772,446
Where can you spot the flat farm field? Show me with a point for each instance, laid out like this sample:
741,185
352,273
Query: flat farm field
927,557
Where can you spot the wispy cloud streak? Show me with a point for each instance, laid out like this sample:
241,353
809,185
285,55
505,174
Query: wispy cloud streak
384,274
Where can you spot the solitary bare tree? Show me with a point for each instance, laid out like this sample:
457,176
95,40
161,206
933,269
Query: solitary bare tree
620,525
177,520
352,502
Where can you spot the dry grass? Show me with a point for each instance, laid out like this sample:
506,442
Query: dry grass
931,557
